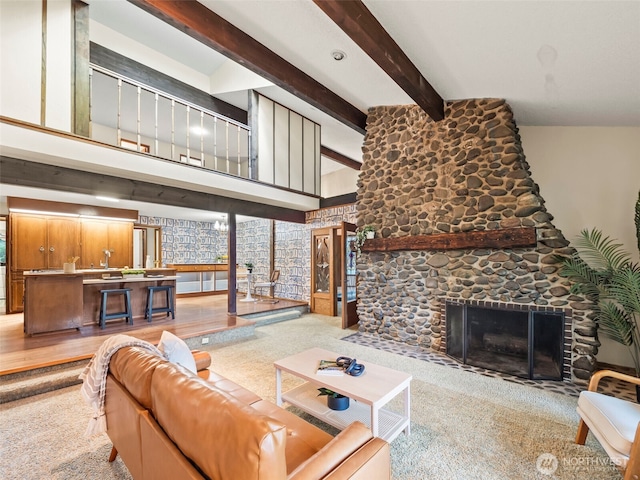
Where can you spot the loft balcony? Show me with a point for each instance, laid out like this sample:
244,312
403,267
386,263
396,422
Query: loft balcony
133,116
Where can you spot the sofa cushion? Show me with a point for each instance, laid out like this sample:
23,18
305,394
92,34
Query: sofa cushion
226,385
616,419
224,437
133,367
177,351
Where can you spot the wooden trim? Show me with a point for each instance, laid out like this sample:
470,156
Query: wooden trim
232,259
196,20
51,208
503,238
80,70
346,199
361,26
338,157
39,175
201,294
43,66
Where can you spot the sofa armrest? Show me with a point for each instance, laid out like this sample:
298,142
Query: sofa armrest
353,447
371,462
203,359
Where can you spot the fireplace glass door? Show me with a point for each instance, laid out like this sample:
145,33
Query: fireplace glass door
523,343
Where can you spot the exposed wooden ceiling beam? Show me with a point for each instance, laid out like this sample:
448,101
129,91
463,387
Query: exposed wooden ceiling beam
14,171
338,157
199,22
358,22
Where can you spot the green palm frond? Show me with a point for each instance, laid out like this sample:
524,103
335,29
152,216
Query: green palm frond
625,288
601,271
638,220
615,323
600,252
585,279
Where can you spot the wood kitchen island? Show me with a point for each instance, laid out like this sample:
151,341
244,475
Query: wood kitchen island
55,300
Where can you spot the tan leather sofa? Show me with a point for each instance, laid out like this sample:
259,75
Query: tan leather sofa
168,423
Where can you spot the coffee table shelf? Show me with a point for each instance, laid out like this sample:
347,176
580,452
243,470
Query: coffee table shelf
369,393
306,398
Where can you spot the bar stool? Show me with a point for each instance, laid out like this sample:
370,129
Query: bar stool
126,296
150,310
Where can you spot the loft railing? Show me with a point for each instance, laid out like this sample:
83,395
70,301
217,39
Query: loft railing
131,115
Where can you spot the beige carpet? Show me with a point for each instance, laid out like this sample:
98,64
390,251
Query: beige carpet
464,425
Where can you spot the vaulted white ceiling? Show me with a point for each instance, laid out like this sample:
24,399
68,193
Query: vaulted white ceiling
569,63
556,62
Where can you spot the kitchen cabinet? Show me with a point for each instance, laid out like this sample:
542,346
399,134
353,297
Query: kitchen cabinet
101,235
39,242
43,243
121,244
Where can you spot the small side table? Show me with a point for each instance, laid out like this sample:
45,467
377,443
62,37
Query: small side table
248,298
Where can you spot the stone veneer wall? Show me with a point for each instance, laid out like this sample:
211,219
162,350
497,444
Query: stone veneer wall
252,245
465,173
293,249
188,241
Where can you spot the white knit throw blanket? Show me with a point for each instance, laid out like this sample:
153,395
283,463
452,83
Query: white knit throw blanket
94,377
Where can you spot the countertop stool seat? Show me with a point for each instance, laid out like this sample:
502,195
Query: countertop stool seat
168,308
126,313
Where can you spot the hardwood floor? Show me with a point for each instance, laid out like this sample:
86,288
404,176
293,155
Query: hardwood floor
195,316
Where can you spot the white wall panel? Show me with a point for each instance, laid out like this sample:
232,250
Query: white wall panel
59,54
20,59
265,140
281,145
295,151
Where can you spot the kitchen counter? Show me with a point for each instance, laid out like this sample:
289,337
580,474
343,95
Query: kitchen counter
55,300
124,279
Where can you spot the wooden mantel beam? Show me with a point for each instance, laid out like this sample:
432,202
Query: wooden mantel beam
355,19
503,238
197,21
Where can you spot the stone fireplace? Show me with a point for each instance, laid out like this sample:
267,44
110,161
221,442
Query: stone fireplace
460,220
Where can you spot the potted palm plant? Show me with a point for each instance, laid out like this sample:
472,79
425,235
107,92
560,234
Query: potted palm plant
602,271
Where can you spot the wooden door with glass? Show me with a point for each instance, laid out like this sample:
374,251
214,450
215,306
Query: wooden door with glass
324,250
348,297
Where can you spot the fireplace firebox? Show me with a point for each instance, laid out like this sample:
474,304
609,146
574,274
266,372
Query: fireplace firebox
523,342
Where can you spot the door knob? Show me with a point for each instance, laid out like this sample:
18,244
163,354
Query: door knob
51,249
41,248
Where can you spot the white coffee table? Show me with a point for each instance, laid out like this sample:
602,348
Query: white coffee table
369,393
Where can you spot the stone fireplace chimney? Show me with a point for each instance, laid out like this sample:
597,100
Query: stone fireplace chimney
462,181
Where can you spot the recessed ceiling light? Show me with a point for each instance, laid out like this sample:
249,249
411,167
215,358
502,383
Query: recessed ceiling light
338,55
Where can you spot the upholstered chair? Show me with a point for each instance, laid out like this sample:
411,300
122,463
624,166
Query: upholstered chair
614,422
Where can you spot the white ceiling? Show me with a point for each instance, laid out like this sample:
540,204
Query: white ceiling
556,62
571,63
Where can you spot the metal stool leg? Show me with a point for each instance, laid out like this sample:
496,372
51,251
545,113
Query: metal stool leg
127,307
103,310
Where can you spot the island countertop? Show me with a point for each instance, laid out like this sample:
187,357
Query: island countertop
125,279
55,300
